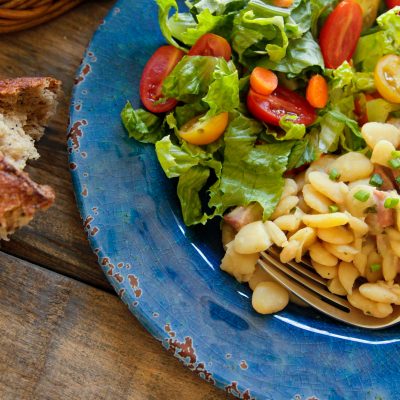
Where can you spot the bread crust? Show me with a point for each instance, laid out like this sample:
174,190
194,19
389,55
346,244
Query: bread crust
20,197
26,105
13,87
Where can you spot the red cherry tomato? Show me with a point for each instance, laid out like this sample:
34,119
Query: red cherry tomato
392,3
270,109
211,45
160,65
339,35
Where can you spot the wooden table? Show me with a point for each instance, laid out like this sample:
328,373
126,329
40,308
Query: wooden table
64,334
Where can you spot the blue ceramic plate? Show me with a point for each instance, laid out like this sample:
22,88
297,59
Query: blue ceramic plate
169,275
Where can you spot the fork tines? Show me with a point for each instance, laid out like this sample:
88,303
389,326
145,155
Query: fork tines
311,288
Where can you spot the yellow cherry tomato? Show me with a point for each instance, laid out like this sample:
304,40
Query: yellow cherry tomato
387,78
204,132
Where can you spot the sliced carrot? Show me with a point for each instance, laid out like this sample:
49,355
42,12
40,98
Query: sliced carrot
263,81
317,91
283,3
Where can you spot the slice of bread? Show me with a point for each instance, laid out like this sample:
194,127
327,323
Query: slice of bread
20,198
26,105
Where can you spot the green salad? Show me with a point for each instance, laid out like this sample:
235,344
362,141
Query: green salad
248,91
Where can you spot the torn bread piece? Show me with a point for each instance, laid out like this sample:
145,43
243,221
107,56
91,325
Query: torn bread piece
20,198
26,105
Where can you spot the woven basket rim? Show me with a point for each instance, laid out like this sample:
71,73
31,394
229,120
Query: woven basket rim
17,15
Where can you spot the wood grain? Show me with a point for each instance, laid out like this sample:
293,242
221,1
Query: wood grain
61,339
64,340
55,239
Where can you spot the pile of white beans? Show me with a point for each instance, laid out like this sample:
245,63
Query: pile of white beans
322,219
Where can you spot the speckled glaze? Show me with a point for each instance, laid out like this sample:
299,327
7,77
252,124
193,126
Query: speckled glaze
168,275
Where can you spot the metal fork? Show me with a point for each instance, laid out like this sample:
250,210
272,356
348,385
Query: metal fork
311,288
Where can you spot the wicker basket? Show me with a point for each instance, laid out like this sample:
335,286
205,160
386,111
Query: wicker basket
16,15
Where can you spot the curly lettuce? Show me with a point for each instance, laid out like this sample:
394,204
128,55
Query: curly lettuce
386,40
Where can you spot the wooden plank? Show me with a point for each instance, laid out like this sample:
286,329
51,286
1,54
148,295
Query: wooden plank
61,339
55,239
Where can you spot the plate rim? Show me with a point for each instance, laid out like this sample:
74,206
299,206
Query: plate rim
144,318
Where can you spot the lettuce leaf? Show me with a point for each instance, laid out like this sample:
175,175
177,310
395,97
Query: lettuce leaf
348,81
292,130
320,9
328,135
337,122
193,165
210,80
351,138
193,30
303,152
216,7
141,124
302,54
386,40
378,110
270,29
173,159
223,93
164,8
178,159
250,173
190,185
186,112
205,16
276,38
190,79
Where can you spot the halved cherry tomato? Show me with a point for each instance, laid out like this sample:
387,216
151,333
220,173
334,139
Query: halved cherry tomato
392,3
387,78
204,132
160,65
211,45
270,109
317,91
263,81
339,35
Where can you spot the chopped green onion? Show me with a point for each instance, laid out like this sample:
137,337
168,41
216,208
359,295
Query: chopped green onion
397,179
391,202
396,154
333,209
376,180
395,163
371,210
375,267
362,195
334,174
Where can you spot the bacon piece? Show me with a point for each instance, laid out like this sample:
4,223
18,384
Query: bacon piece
241,216
385,216
396,174
386,175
